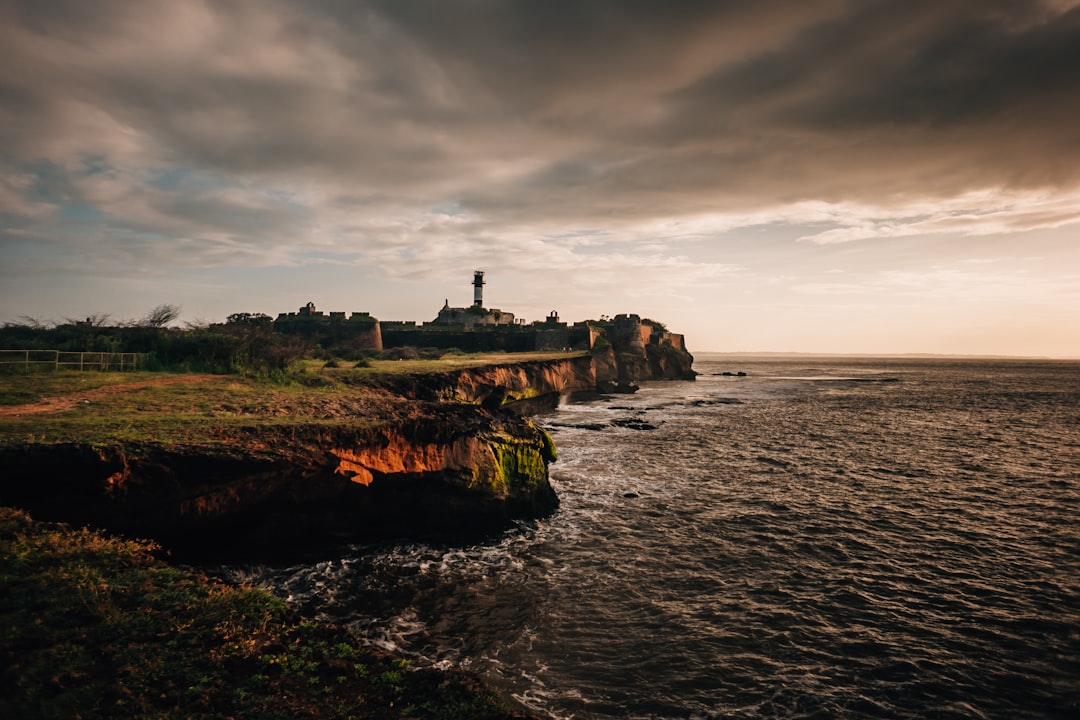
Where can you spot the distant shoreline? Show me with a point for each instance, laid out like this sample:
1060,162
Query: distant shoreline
701,354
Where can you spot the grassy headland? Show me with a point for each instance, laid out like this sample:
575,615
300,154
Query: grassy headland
168,408
93,626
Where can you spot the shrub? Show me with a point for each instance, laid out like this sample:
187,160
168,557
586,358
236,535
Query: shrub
96,627
602,345
401,353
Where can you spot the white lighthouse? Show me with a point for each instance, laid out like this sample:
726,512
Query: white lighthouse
478,288
471,317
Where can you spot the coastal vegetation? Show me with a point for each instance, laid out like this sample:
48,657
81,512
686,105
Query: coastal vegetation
247,343
172,407
99,627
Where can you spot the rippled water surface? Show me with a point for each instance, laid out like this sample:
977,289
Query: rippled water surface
820,538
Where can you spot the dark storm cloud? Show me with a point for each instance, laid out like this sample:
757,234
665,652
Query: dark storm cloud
575,113
988,87
686,107
961,69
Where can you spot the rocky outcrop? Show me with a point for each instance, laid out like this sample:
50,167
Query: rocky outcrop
669,362
439,456
529,387
523,388
451,470
631,351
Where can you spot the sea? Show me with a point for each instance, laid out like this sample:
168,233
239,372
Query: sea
785,537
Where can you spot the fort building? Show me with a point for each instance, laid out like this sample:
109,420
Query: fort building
475,329
359,329
475,315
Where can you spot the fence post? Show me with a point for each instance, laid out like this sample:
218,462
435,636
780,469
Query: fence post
56,361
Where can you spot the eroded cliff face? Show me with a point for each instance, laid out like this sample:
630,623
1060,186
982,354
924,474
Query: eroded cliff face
522,388
446,470
621,369
440,455
530,387
667,362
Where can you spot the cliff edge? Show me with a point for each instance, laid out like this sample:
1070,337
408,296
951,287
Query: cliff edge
627,350
212,466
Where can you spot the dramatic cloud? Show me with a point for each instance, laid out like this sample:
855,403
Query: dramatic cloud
606,137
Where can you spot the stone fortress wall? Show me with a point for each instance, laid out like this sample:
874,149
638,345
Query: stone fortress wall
479,329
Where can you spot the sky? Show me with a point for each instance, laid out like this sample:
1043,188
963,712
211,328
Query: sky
868,176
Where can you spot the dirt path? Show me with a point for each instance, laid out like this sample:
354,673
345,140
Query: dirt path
67,402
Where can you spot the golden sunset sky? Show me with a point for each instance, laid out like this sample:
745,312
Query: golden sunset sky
805,175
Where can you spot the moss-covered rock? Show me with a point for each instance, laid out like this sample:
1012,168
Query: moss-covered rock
521,467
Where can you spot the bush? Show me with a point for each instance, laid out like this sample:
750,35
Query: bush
95,627
602,345
401,353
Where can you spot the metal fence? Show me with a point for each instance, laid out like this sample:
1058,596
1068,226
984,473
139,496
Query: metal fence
28,360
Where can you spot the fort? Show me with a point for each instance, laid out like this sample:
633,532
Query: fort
352,455
479,329
359,330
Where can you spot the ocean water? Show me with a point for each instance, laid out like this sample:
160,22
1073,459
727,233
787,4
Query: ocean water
817,539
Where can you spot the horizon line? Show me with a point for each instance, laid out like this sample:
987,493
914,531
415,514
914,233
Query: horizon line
898,355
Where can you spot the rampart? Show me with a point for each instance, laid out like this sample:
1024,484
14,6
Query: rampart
358,329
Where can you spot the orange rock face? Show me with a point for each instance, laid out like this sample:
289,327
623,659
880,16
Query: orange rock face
438,469
439,455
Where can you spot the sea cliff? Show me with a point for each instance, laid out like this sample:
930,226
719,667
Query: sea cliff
528,387
420,470
350,458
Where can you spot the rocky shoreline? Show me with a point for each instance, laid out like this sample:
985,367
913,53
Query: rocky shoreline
438,455
219,469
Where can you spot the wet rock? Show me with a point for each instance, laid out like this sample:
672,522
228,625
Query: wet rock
633,424
581,426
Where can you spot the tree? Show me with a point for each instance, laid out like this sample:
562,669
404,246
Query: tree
160,316
197,324
94,320
243,318
28,321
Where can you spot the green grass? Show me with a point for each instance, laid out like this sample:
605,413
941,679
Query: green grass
95,627
210,410
446,363
19,388
198,412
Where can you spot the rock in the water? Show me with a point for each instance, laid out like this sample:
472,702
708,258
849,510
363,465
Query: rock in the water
633,424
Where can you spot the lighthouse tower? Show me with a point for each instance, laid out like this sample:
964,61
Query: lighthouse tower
478,288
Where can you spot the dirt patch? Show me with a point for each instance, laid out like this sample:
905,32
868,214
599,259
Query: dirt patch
67,402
